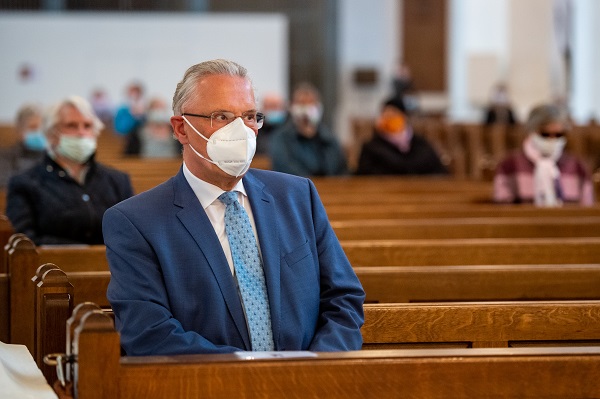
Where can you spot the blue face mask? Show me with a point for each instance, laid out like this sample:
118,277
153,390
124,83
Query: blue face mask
35,140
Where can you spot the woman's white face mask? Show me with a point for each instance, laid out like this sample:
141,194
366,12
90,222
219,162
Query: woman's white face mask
231,147
549,147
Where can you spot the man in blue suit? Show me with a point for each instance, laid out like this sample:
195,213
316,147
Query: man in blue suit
174,286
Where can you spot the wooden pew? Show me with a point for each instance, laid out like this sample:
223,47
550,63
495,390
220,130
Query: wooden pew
481,324
398,184
88,268
418,373
148,173
53,294
469,227
478,283
485,251
458,324
404,284
6,231
23,259
351,211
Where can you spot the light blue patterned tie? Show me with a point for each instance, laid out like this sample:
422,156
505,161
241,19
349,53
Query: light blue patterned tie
249,272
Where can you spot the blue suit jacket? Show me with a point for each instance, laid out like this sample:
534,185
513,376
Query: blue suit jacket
172,290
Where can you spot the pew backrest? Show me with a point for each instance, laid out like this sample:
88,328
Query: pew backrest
470,251
468,227
481,324
479,283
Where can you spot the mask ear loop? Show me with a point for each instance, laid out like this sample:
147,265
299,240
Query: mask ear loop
193,128
201,135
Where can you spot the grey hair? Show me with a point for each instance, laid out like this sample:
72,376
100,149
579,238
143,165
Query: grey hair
185,90
544,114
307,87
26,112
81,104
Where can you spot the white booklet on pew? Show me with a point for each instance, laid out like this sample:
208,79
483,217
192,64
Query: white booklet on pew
248,355
20,377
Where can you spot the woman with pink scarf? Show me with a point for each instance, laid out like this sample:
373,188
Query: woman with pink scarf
541,172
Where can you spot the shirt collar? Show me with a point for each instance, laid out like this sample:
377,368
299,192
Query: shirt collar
207,193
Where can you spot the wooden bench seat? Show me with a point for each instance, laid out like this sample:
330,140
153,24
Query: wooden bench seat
349,211
484,251
419,373
468,227
478,283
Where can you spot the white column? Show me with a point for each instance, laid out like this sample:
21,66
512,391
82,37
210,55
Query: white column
585,100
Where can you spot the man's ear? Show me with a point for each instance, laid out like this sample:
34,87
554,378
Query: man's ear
179,129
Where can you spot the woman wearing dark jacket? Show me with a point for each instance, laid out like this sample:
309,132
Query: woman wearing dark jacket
61,200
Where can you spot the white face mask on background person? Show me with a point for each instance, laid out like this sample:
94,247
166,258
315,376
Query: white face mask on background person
76,148
231,147
549,147
312,113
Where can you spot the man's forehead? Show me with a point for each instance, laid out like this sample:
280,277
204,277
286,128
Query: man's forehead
225,91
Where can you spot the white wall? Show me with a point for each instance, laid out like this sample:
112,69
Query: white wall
369,36
111,49
489,41
478,49
514,39
72,53
585,102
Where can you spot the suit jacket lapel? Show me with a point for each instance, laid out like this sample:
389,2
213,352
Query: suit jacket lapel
263,209
194,219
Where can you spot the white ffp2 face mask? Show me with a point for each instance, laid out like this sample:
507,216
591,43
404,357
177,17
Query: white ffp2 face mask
231,147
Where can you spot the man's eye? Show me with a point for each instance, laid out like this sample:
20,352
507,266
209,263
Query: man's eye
220,117
250,117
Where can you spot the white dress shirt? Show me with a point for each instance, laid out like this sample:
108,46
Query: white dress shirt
208,195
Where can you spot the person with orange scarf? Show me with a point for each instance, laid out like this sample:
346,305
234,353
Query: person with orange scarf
395,149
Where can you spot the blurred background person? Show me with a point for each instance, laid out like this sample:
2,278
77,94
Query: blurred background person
61,199
499,109
102,106
157,139
129,118
30,146
395,149
541,172
274,107
304,146
403,87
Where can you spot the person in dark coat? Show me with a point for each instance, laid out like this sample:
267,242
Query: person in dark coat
395,149
304,145
30,147
62,199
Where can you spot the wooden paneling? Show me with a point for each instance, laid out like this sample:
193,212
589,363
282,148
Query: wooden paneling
424,42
